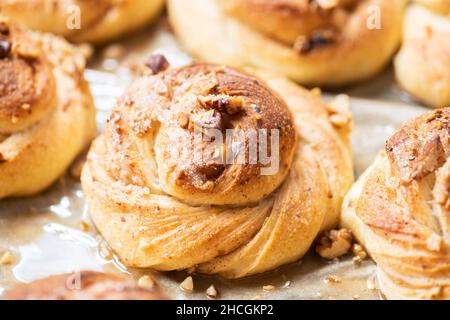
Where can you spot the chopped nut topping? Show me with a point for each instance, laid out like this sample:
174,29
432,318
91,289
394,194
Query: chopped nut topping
146,282
7,259
359,251
269,288
157,63
26,52
5,48
222,103
212,292
334,243
206,121
183,120
318,39
333,279
84,226
26,106
187,284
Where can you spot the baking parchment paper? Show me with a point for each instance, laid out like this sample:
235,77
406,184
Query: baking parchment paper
51,233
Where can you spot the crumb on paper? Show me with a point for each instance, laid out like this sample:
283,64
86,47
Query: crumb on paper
84,225
268,288
258,297
356,297
287,284
7,259
146,282
333,279
212,292
187,284
334,243
359,252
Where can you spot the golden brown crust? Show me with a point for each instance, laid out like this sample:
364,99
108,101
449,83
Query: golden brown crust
423,62
399,210
83,20
256,222
313,42
87,285
46,110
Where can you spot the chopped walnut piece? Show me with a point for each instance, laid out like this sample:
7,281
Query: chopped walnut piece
146,282
7,259
333,279
157,63
206,121
359,251
269,288
318,39
187,284
223,103
5,48
212,292
334,243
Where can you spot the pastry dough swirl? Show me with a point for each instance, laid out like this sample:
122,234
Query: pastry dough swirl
46,111
93,21
400,210
317,43
171,213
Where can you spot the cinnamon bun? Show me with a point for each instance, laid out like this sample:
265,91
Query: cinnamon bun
86,285
46,111
400,210
423,64
164,200
320,42
93,21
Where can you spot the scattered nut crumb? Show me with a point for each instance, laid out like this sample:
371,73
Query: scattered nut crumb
333,279
146,282
212,292
359,251
257,298
287,284
187,284
268,288
356,297
7,258
84,225
334,243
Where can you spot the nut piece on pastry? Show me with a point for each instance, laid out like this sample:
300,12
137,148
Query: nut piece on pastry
423,64
317,43
46,111
400,210
86,285
164,200
94,21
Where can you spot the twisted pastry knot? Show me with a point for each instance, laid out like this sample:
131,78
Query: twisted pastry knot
83,20
41,88
400,210
161,206
86,285
315,42
423,62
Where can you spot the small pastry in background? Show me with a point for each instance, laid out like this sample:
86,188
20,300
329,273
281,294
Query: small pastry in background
317,43
93,21
422,66
163,200
400,210
86,285
47,116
